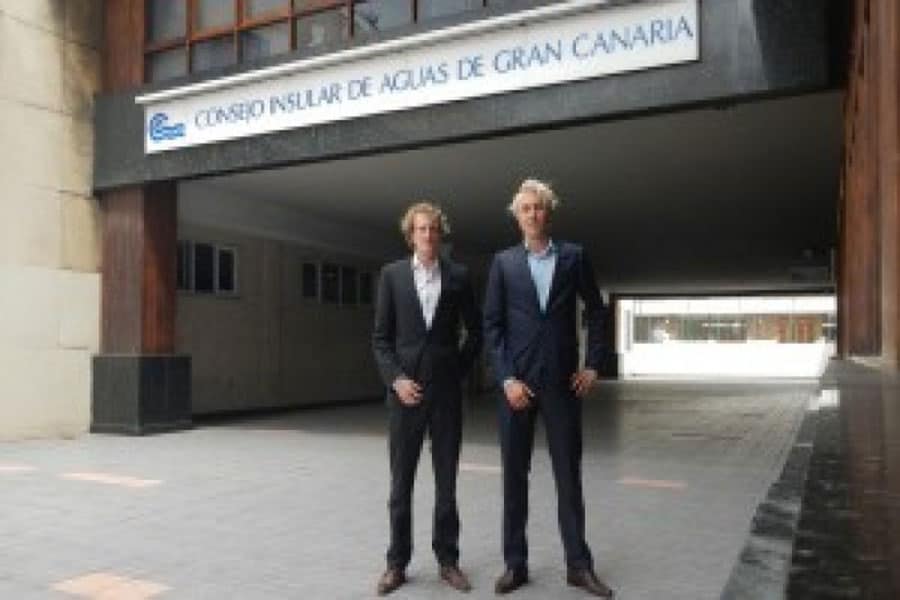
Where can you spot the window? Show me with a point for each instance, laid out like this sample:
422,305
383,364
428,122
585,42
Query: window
268,40
365,288
322,28
166,19
372,16
309,285
773,319
259,8
429,9
167,64
225,271
348,286
213,54
185,36
206,268
203,268
334,283
185,269
330,283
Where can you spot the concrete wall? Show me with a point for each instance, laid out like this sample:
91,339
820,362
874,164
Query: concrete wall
266,346
49,222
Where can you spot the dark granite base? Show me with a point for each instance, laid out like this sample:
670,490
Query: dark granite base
764,564
848,538
140,394
830,527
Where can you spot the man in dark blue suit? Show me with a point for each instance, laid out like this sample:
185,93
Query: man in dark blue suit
530,328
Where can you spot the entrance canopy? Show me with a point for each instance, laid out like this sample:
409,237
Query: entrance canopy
736,197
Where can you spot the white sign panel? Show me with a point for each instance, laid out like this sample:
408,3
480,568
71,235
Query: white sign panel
429,69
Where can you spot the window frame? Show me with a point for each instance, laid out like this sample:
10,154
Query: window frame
363,275
317,265
235,281
188,263
290,14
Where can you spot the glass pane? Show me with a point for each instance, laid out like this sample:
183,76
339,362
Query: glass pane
371,16
330,283
184,265
203,268
265,41
321,28
310,281
226,270
829,327
212,14
365,288
166,19
642,330
429,9
255,8
348,285
214,53
167,64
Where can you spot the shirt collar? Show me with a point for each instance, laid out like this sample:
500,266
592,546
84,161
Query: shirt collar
549,251
418,264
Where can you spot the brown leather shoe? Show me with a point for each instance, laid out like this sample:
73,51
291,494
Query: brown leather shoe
455,578
510,581
392,578
587,580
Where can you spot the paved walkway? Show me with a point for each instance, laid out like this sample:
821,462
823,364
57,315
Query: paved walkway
293,506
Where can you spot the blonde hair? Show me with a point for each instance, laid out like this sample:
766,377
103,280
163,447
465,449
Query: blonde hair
423,208
541,190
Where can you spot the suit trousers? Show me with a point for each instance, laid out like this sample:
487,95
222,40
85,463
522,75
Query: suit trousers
440,416
560,411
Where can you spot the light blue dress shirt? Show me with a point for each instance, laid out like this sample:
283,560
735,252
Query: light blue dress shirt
542,265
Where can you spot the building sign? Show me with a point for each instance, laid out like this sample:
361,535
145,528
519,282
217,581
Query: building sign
555,44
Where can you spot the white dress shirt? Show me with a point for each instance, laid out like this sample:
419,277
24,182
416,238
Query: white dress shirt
428,287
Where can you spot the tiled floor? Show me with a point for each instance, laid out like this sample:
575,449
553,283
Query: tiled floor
293,506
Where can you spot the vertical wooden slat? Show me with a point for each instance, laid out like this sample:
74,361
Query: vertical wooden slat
889,144
139,270
121,287
123,36
139,224
860,272
189,33
893,257
159,268
238,9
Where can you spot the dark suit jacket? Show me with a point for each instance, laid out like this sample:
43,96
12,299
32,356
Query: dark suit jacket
400,340
534,346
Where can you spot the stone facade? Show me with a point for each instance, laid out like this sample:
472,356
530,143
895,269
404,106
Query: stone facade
50,65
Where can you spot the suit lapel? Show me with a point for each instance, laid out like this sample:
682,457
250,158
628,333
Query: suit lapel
445,286
525,275
409,283
562,262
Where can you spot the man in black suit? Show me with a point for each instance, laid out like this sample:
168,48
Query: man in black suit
422,301
530,325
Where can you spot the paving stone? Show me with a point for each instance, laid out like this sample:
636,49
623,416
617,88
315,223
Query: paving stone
294,505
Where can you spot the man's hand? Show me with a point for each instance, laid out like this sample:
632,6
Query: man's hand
582,381
408,391
518,394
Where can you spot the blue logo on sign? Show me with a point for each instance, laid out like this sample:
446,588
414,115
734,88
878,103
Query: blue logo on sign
160,130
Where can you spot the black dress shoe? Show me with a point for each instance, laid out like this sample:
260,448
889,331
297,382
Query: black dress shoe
455,578
392,578
510,581
587,580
